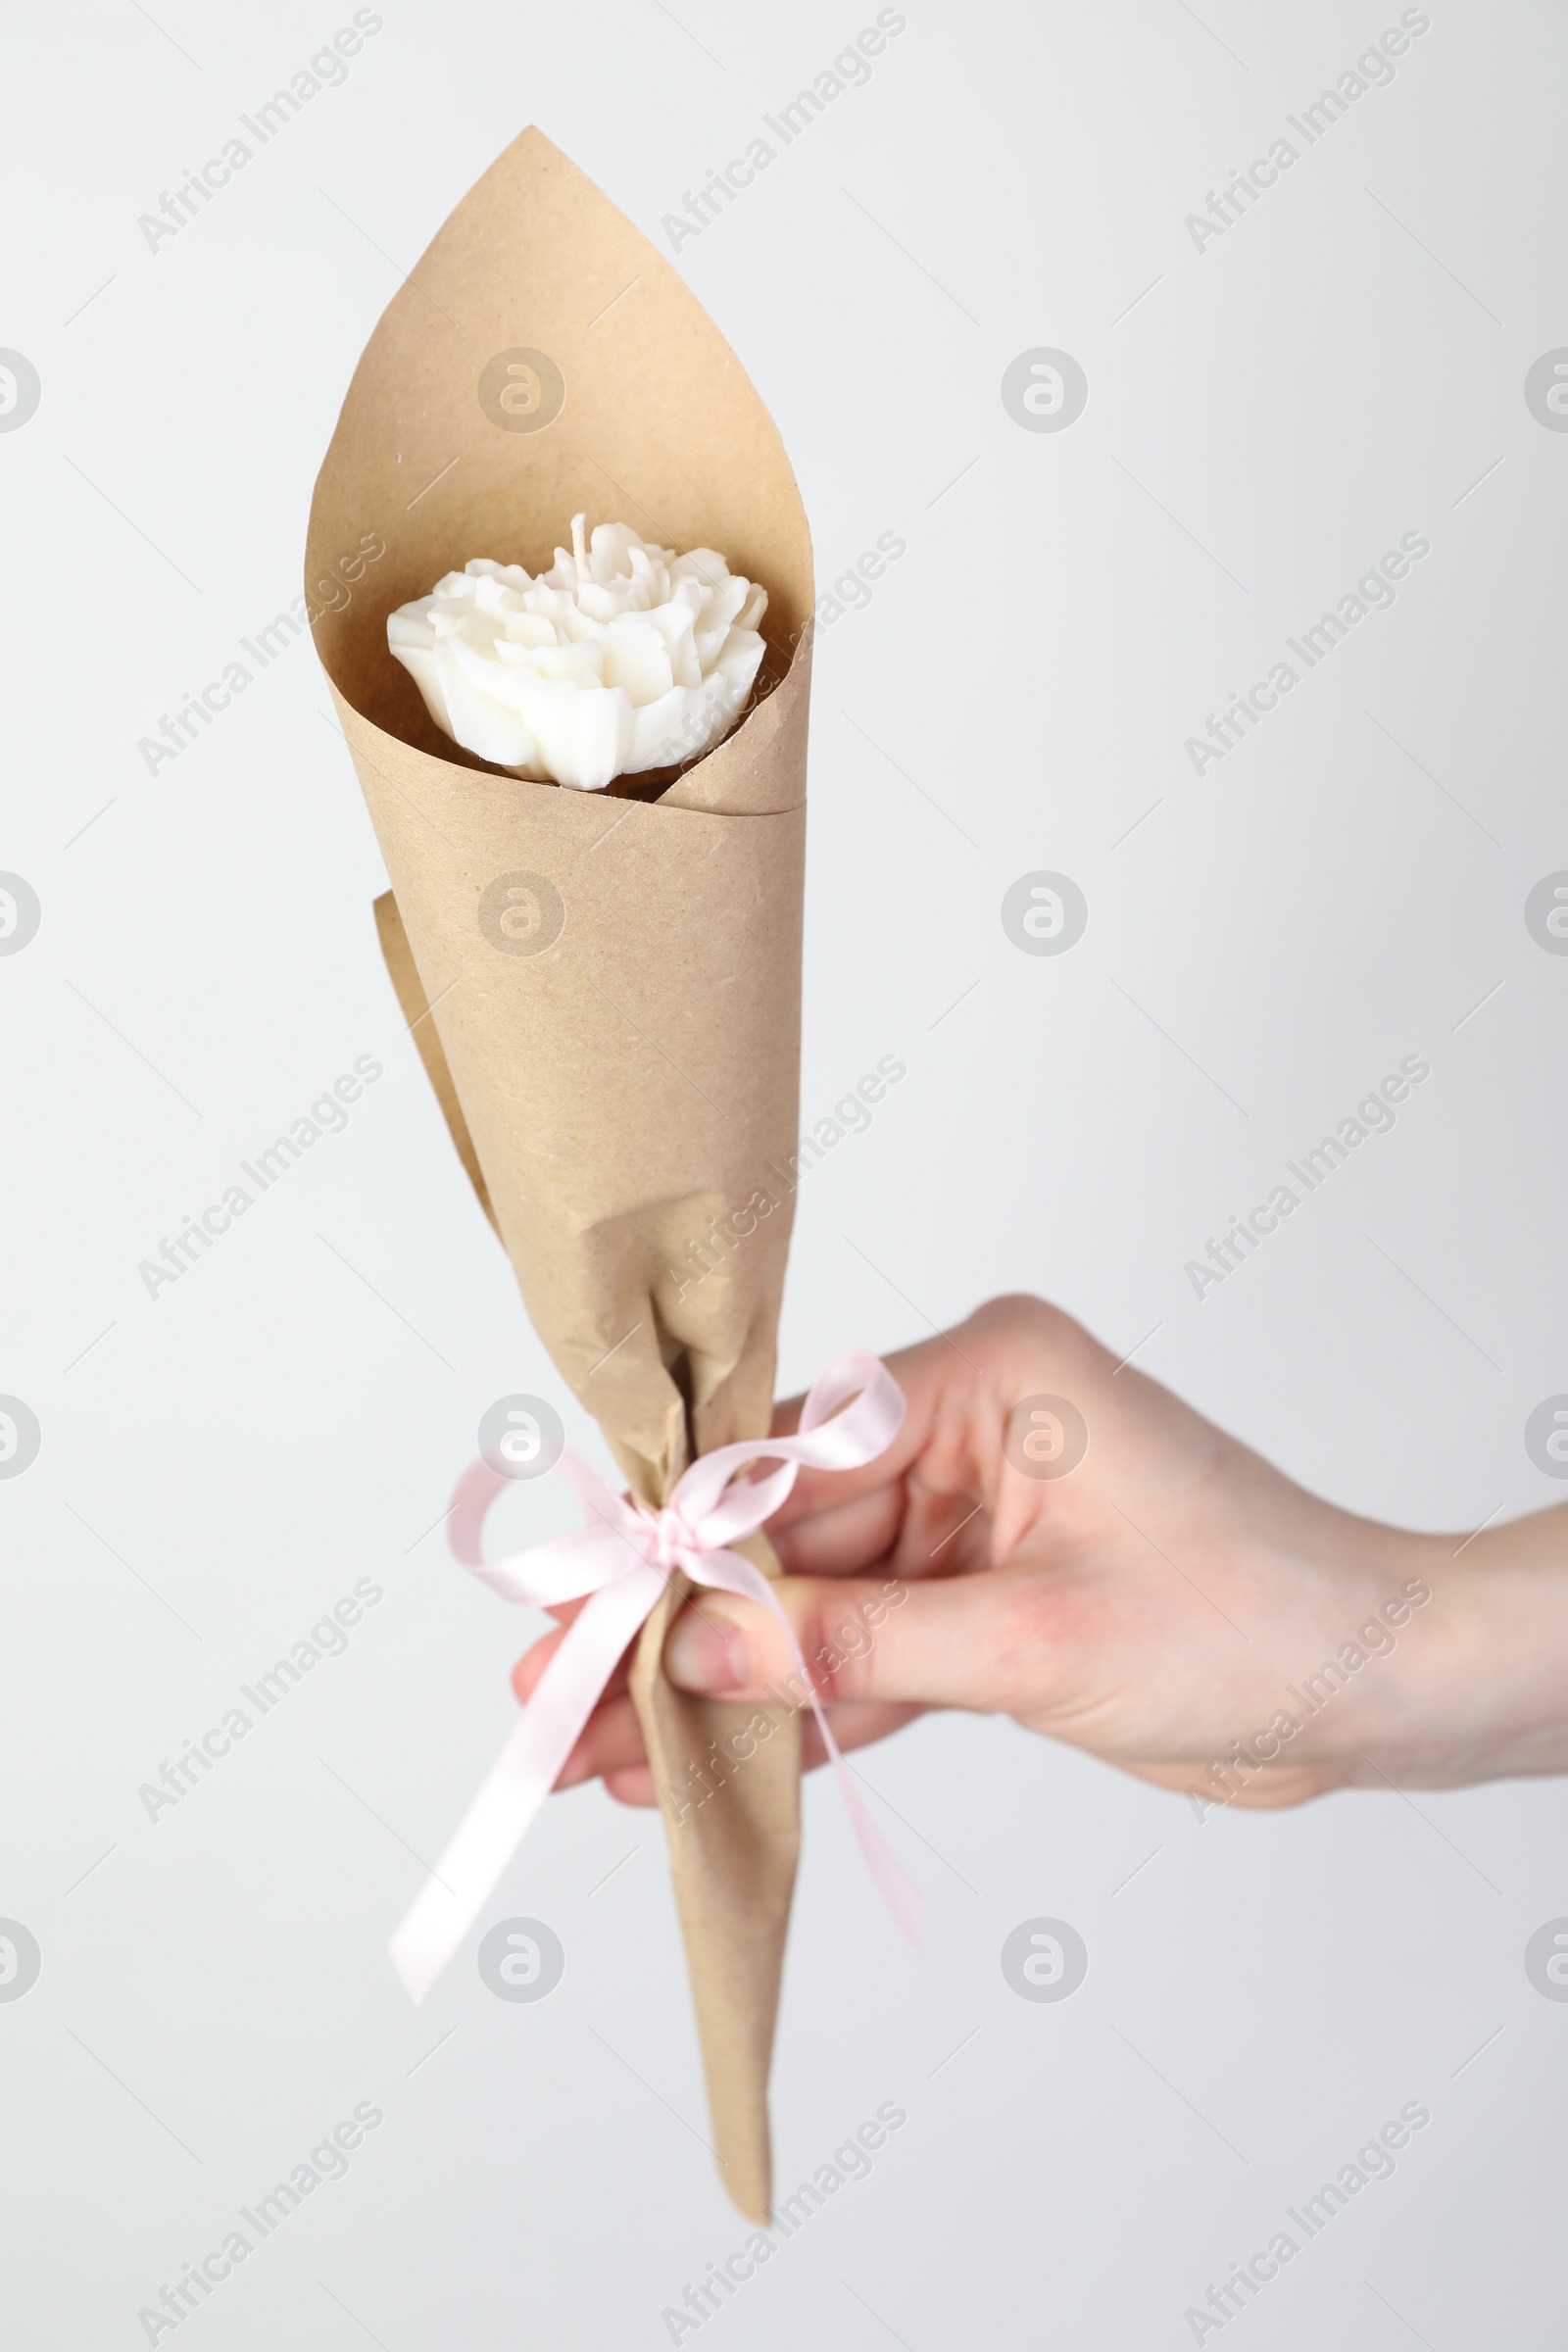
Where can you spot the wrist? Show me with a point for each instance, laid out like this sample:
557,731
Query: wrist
1493,1673
1370,1684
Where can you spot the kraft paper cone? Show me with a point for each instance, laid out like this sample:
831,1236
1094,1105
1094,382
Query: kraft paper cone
604,989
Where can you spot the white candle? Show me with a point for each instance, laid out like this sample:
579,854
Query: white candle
623,657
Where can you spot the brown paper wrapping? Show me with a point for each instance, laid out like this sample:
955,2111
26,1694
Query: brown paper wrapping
604,990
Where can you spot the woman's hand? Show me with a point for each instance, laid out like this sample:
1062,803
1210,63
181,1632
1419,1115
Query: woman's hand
1167,1601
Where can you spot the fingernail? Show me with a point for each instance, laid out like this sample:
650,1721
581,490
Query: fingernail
706,1651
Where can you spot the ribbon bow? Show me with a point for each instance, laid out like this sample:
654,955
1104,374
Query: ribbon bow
624,1564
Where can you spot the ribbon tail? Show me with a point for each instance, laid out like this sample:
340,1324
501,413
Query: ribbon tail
519,1779
892,1881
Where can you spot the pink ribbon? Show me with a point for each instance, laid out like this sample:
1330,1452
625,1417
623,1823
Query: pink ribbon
624,1564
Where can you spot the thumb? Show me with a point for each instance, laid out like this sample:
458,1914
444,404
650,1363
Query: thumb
955,1641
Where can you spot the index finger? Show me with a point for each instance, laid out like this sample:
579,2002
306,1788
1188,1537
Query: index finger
929,1375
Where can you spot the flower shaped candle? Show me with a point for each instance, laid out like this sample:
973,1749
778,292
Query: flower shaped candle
623,657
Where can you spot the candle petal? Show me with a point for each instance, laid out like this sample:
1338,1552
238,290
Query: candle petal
636,658
582,735
633,625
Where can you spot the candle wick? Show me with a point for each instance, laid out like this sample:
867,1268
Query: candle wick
579,545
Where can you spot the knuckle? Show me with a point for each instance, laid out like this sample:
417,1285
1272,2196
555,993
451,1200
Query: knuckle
1020,1323
1032,1636
838,1639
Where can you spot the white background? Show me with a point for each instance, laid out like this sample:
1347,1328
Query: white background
1340,367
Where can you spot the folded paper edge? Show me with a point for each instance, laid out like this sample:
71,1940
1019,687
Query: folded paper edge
403,974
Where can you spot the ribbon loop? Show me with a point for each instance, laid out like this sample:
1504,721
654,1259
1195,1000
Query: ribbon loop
623,1563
